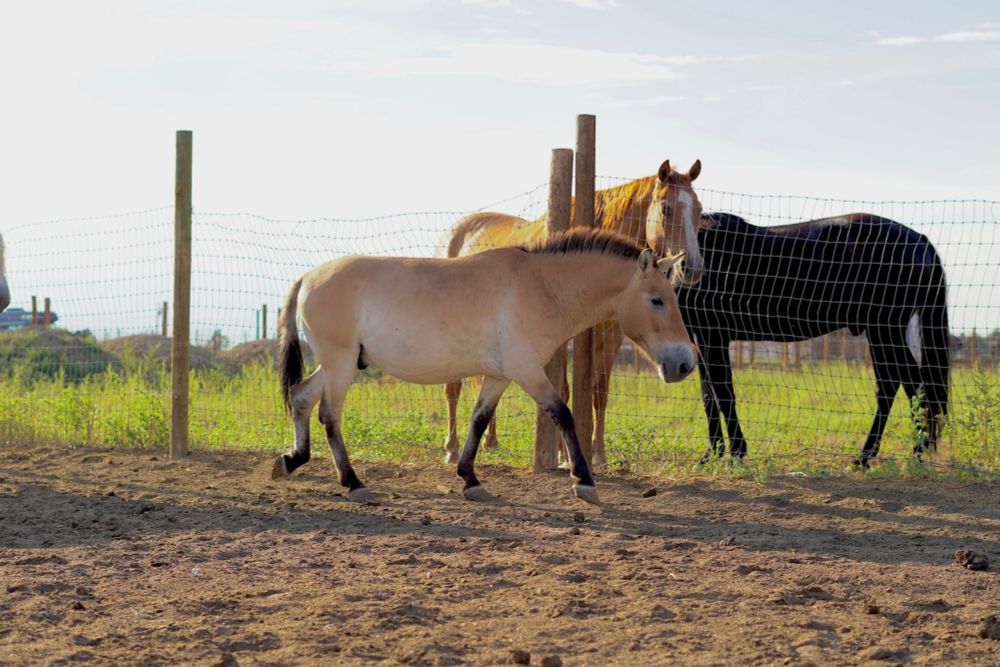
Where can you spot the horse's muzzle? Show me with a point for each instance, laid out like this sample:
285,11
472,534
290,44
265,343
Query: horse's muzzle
676,362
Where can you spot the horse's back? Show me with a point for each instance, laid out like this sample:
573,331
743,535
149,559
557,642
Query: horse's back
486,230
802,280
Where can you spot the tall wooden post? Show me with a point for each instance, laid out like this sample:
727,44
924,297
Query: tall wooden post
738,345
560,186
826,348
753,351
34,310
583,344
163,320
263,320
181,342
47,314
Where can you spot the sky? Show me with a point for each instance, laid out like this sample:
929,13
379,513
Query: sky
345,109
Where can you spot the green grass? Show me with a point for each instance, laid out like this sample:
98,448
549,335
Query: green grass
811,421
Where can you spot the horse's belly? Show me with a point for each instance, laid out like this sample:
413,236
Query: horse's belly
417,350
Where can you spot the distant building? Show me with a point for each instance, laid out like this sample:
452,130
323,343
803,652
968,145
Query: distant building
19,318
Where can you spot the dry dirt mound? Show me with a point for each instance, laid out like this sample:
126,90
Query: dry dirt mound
122,557
44,353
151,346
264,351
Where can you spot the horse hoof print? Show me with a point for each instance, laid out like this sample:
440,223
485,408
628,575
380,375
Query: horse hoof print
362,495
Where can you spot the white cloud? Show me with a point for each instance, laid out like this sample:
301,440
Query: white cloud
969,36
527,63
594,4
985,32
989,25
649,102
899,41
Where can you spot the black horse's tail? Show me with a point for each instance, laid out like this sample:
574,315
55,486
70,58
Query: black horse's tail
935,369
290,363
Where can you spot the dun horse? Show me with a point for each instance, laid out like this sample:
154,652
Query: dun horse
659,211
799,281
507,312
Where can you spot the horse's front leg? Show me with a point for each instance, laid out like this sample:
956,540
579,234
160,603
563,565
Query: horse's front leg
716,443
537,385
482,413
305,395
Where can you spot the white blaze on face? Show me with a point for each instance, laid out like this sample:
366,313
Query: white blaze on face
686,202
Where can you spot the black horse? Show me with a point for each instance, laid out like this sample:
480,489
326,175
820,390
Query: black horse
799,281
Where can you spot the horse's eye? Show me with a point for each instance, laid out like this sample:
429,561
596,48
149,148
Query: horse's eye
656,301
668,212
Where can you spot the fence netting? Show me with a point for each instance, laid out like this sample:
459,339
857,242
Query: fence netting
93,368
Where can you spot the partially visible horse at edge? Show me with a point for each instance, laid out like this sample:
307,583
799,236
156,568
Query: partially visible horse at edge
508,311
659,211
4,290
793,282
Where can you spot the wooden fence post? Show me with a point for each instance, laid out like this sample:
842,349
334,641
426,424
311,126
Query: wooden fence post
34,310
560,186
263,321
583,344
738,345
181,342
47,315
163,321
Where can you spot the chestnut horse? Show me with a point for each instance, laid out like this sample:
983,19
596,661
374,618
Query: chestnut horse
508,311
660,211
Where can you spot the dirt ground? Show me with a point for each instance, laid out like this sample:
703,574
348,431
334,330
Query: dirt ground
121,557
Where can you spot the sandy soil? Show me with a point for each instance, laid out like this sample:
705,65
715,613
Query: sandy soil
124,558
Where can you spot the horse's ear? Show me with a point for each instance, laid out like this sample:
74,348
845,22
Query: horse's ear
666,264
695,169
647,260
664,172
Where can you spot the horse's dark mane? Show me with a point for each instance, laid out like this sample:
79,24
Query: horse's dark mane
596,241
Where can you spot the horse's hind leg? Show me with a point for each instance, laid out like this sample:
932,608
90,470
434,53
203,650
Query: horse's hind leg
482,413
305,395
338,381
608,338
452,392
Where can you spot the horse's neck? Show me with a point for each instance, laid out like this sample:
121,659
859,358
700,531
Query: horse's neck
585,287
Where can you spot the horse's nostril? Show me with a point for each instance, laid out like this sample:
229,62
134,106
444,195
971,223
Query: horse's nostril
684,368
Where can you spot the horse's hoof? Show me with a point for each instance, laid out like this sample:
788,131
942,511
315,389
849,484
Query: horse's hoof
587,493
279,469
450,457
491,443
477,494
362,495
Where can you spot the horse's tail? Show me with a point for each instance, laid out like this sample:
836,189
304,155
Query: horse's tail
470,224
935,369
290,363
